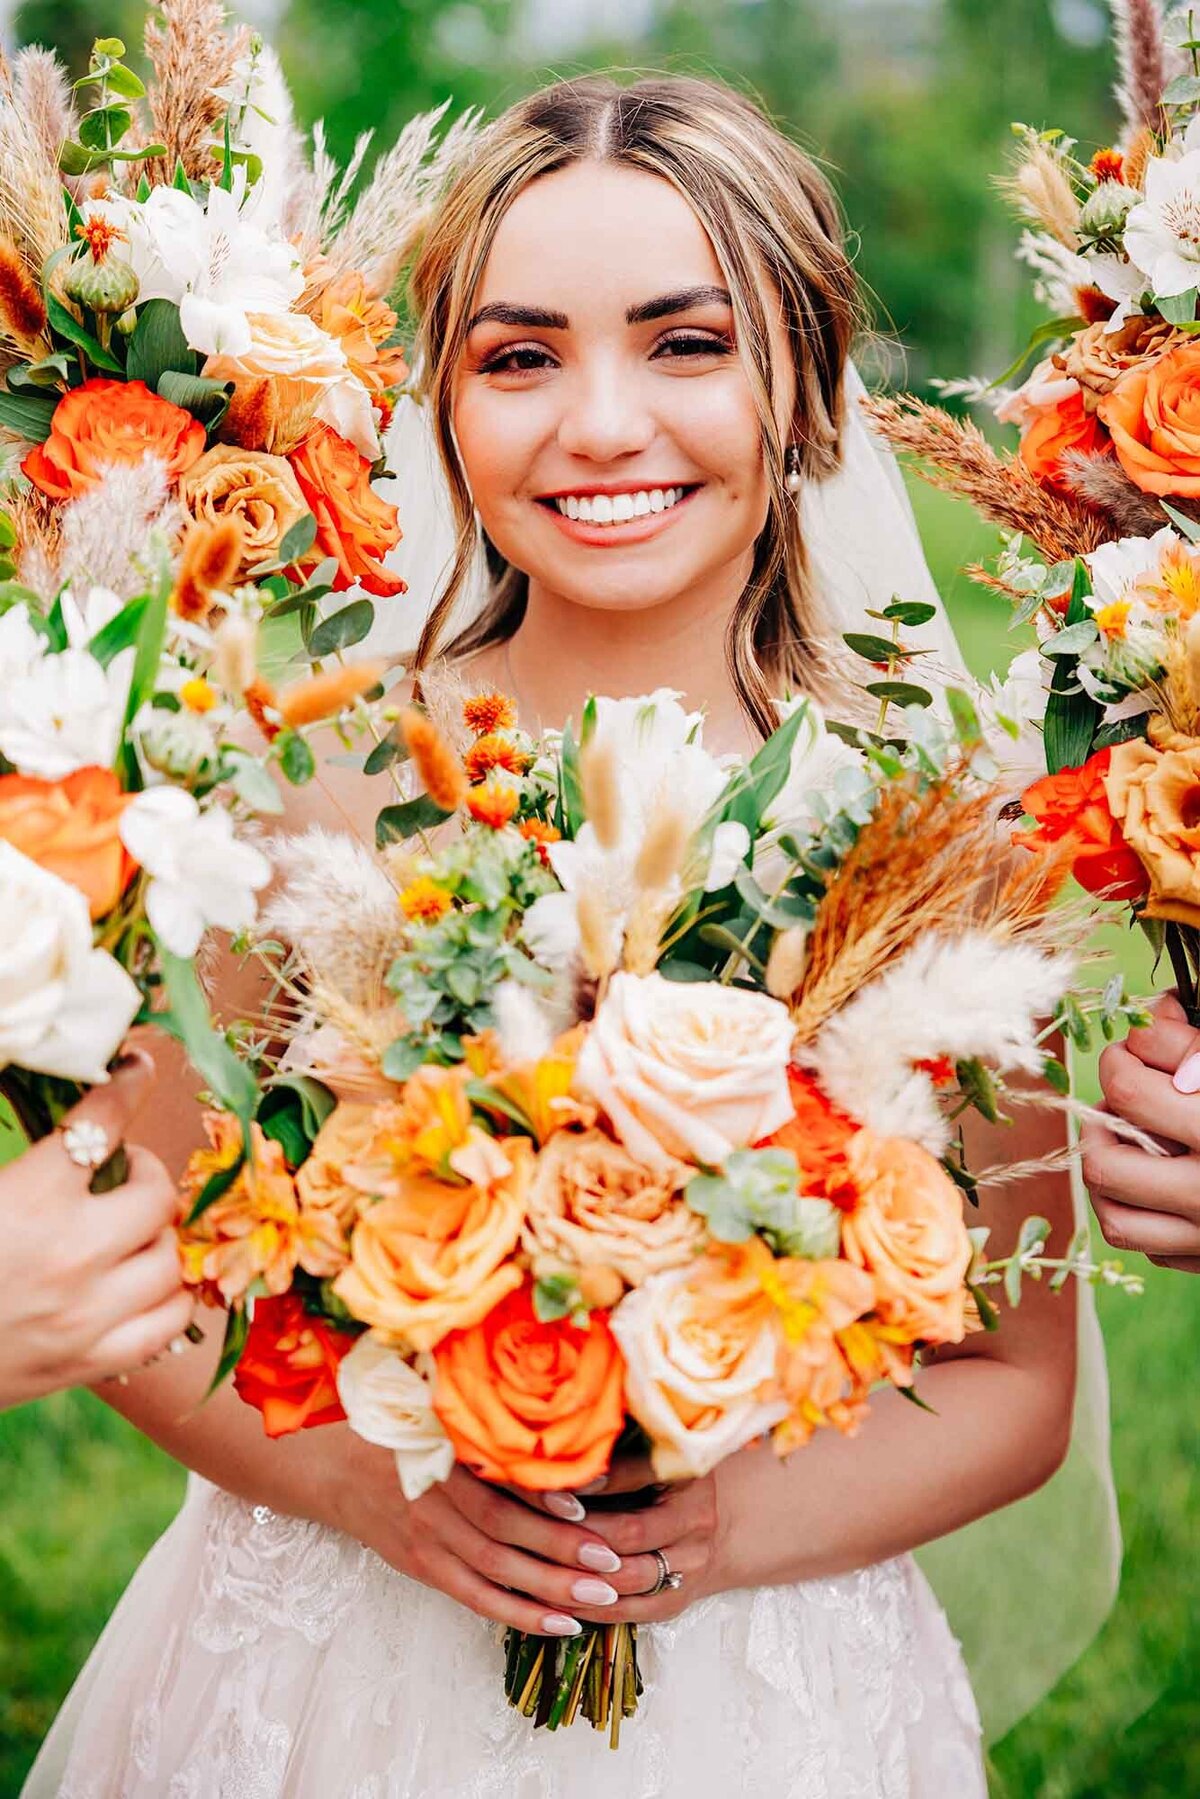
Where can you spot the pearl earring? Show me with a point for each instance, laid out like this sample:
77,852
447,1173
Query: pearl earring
794,474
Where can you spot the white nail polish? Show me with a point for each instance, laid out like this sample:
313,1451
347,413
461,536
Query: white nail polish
600,1558
557,1624
590,1591
566,1506
1186,1078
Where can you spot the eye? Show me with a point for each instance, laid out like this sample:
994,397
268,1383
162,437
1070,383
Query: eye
516,361
691,343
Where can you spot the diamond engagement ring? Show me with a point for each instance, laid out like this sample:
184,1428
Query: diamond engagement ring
86,1144
668,1580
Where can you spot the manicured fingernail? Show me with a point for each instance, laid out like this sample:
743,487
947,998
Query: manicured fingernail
1187,1076
595,1486
600,1558
557,1624
565,1505
593,1592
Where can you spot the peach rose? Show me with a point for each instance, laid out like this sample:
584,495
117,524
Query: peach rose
701,1347
257,1230
434,1257
1154,415
1155,797
257,490
593,1207
354,525
529,1404
1098,357
362,326
907,1231
104,422
1066,425
687,1070
70,827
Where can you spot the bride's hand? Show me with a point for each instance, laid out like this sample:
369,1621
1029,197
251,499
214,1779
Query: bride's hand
498,1557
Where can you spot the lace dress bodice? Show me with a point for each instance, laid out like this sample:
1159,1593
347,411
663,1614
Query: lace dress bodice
262,1657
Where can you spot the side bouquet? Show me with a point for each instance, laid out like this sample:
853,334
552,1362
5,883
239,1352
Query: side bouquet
1101,498
628,1112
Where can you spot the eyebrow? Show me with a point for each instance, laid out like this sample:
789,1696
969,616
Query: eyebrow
504,312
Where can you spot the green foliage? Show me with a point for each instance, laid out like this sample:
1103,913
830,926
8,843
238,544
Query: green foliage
757,1193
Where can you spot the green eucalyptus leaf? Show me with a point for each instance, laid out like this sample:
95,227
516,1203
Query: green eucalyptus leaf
899,693
124,82
295,757
298,541
341,630
872,648
389,750
402,1058
104,127
396,824
910,613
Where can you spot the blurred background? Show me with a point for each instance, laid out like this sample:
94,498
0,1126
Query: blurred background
909,104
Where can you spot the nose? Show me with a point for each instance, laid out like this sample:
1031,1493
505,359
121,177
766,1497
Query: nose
605,415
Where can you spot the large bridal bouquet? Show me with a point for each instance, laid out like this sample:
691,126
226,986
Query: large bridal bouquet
627,1112
1102,495
197,356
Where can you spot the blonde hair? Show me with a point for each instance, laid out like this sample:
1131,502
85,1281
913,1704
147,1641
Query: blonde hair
764,204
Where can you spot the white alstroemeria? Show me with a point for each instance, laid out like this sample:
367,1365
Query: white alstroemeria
1121,281
200,873
65,1006
346,407
658,763
1162,235
66,713
390,1403
21,648
1020,697
214,264
824,775
87,611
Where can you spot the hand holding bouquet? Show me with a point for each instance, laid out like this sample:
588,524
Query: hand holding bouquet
626,1114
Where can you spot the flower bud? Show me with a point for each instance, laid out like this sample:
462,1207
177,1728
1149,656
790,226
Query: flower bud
109,286
178,745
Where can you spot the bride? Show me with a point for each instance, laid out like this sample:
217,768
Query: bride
638,297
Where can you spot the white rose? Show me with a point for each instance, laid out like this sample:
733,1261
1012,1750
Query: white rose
688,1070
66,713
390,1403
200,875
65,1006
696,1381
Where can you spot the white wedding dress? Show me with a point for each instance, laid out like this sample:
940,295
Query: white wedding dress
260,1657
256,1656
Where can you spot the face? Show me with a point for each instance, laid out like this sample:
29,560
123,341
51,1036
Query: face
605,422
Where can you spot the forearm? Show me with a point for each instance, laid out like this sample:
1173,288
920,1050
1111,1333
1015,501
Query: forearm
1000,1431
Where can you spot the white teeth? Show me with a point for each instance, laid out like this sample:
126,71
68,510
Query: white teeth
618,508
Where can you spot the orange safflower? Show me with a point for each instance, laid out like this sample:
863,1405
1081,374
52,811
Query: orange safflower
529,1404
484,713
354,525
493,802
439,769
424,901
288,1369
1108,165
71,828
104,422
327,694
1073,815
494,750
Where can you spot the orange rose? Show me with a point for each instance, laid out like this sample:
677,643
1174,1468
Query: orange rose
1154,415
907,1231
104,422
354,525
1067,425
433,1257
1072,811
70,828
257,1230
817,1135
528,1404
288,1369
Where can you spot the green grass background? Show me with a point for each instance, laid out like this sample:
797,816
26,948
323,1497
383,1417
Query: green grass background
84,1496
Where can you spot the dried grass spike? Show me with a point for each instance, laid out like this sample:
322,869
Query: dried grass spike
439,769
1144,69
193,54
329,693
253,415
212,556
601,798
22,310
1041,191
43,97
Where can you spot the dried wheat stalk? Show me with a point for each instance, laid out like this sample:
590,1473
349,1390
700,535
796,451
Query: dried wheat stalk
192,52
962,461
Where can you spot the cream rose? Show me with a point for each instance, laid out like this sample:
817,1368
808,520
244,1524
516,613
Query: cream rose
1153,791
592,1206
258,490
64,1006
390,1402
702,1348
284,343
687,1070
